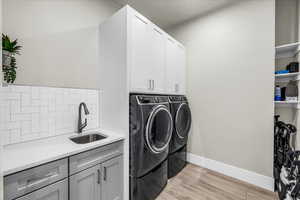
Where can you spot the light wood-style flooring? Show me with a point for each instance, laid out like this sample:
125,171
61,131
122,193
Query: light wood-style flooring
196,183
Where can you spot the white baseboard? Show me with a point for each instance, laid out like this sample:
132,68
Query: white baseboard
235,172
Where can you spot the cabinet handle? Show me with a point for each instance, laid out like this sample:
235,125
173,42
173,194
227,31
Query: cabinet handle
150,84
153,85
38,181
176,87
98,176
105,174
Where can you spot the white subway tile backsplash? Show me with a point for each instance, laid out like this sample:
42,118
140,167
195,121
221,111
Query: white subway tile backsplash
21,89
15,107
29,113
20,117
11,96
13,125
35,93
26,127
15,135
5,136
5,112
25,99
30,109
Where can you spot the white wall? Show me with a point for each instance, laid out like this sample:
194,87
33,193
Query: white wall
59,39
1,145
230,58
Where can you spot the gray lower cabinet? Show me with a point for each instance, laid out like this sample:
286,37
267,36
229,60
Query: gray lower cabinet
56,191
86,184
101,182
34,179
93,157
96,174
112,181
34,183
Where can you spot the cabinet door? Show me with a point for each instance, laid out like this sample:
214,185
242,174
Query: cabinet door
157,58
171,66
181,70
112,180
86,184
140,71
175,67
24,182
56,191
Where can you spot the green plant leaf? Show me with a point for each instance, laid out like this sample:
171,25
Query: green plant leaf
10,72
9,45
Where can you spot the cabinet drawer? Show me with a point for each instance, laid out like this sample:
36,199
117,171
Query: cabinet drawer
56,191
24,182
91,158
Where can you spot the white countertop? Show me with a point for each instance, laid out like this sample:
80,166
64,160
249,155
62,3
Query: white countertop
18,157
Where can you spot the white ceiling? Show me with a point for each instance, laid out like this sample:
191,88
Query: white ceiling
166,13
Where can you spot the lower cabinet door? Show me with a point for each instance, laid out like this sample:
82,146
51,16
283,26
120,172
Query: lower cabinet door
86,184
56,191
112,179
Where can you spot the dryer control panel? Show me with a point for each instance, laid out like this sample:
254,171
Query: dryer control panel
177,98
143,99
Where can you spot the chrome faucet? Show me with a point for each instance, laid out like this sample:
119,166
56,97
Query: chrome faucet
81,125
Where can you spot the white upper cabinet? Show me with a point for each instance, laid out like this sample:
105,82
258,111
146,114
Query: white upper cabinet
147,55
181,68
175,67
153,63
140,67
157,58
171,63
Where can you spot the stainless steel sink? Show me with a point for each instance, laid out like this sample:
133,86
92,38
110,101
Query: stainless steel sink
84,139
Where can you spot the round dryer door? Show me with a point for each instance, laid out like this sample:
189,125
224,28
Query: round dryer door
159,129
183,120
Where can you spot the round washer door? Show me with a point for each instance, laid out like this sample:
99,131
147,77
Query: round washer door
183,120
159,129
